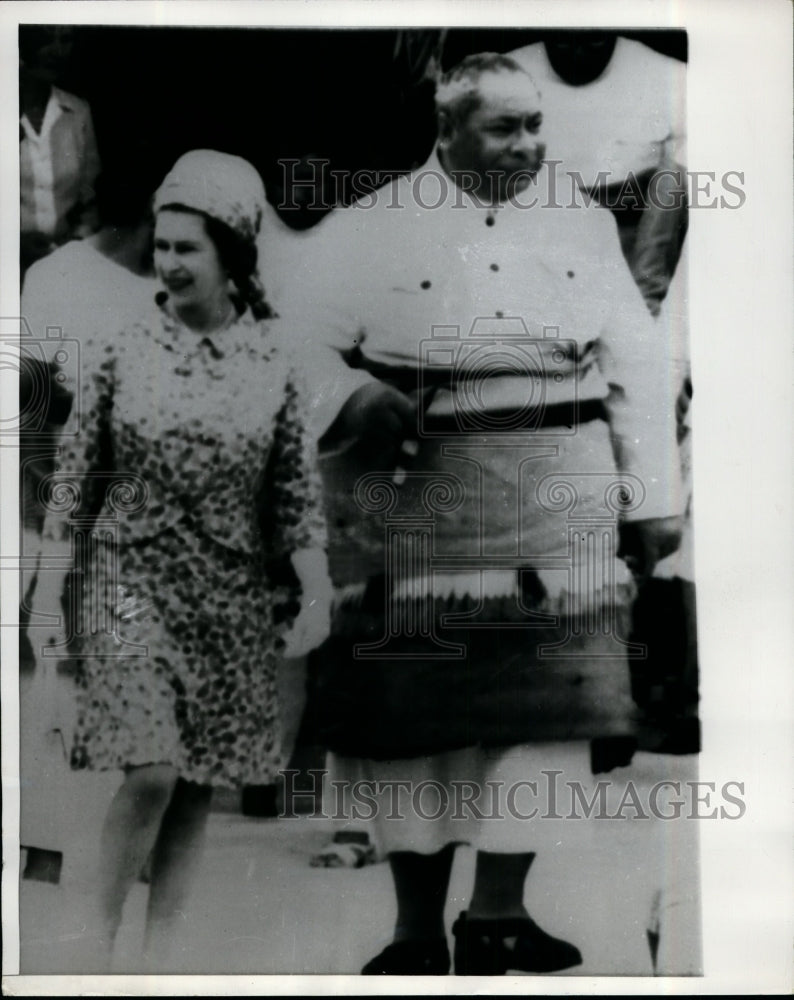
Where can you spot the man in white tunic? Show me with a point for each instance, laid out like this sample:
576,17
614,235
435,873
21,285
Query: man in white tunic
507,416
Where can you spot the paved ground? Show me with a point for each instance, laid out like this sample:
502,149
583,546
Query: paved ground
260,908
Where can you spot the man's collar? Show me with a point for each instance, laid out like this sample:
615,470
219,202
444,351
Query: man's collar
434,165
58,102
67,101
434,162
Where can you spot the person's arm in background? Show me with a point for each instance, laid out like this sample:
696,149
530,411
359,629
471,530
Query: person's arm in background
33,245
82,466
638,364
44,407
673,326
663,223
660,233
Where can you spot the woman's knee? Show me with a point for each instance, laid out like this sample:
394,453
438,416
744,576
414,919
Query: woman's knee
191,798
151,785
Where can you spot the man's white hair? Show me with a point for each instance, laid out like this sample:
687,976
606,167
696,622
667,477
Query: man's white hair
458,90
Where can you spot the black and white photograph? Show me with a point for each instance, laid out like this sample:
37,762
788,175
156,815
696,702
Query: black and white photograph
385,595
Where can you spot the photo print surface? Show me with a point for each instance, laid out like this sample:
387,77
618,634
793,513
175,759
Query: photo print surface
358,590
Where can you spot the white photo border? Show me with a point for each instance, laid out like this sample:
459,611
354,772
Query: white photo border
739,114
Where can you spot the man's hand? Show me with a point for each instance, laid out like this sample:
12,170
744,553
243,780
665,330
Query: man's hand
379,418
645,543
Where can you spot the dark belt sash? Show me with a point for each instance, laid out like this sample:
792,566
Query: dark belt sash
409,380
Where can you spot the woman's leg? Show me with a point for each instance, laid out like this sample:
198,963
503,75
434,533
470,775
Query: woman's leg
128,835
176,856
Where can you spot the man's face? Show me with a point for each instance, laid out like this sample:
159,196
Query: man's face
501,139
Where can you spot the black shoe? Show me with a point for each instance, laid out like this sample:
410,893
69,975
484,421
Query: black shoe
480,948
410,958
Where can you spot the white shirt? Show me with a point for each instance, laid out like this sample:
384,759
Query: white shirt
58,165
76,291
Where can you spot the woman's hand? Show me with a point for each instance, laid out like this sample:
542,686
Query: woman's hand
309,630
313,623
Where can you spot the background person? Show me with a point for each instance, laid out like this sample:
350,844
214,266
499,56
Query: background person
616,116
58,157
112,267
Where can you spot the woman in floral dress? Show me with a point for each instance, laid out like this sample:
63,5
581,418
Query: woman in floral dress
198,537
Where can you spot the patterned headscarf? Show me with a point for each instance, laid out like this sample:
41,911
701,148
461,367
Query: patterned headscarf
225,187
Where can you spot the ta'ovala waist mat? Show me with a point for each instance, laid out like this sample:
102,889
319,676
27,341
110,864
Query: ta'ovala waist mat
518,678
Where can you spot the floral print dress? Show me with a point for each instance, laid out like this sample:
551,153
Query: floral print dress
191,482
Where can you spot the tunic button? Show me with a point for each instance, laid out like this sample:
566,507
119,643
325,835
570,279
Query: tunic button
570,274
499,314
489,220
425,284
494,267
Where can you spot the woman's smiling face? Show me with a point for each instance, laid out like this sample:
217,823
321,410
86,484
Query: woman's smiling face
187,262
